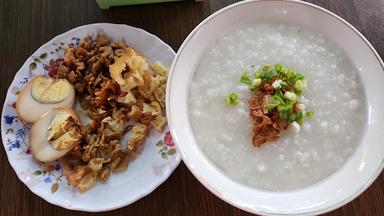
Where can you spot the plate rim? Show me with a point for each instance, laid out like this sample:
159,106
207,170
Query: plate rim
191,166
174,165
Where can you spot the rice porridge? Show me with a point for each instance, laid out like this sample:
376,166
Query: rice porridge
224,132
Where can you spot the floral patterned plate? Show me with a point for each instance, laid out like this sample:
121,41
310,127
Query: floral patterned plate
153,166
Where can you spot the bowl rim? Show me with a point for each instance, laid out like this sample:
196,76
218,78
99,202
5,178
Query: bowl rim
85,209
182,153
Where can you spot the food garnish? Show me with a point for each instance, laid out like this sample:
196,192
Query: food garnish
232,99
120,92
275,103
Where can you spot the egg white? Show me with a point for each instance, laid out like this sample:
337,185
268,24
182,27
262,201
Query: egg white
30,110
41,148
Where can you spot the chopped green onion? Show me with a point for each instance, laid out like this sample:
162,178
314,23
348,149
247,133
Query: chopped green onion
266,67
245,78
309,114
278,67
284,84
300,121
300,85
277,84
298,76
292,117
278,97
258,74
284,70
299,116
291,73
285,107
295,117
232,99
279,94
290,96
272,103
271,106
268,75
255,83
291,76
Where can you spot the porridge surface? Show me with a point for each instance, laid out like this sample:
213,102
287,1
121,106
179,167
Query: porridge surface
334,93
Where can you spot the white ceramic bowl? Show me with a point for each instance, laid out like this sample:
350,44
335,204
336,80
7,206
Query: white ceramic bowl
336,190
154,164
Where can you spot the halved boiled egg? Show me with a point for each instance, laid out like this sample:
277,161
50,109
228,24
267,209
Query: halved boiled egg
54,134
42,94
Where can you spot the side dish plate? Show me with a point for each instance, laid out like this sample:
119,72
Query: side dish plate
153,165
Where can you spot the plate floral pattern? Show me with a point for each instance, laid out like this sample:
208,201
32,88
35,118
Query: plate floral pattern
154,164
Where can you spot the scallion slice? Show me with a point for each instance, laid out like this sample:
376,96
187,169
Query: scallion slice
245,78
278,67
266,67
309,114
232,99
